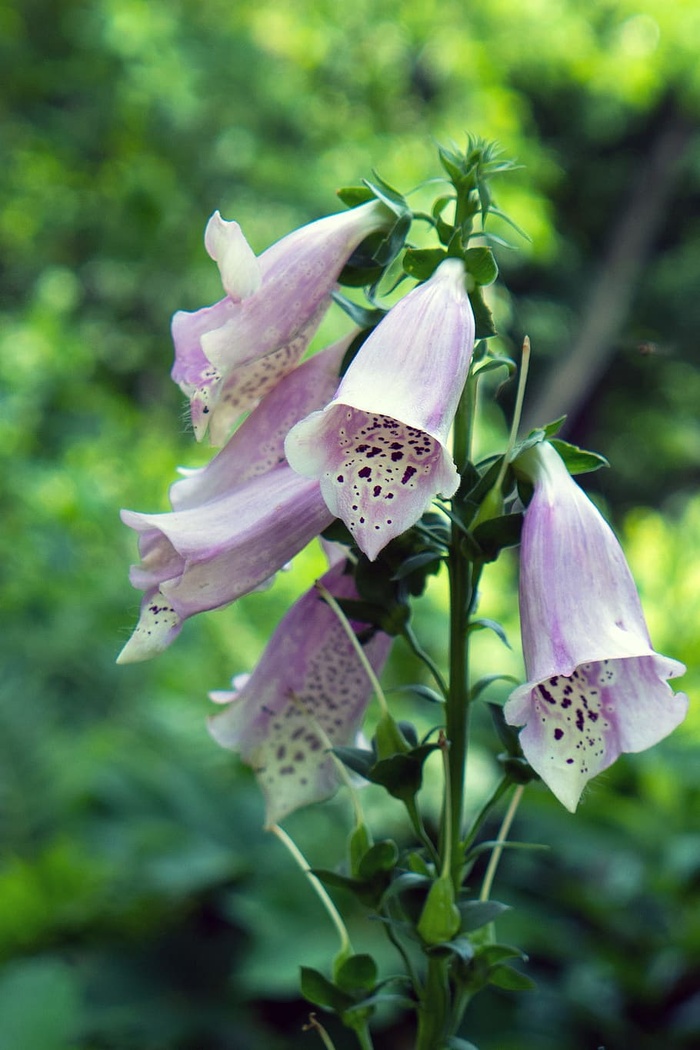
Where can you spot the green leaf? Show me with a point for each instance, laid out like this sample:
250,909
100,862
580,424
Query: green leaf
507,734
476,914
578,460
417,561
460,946
356,759
422,691
481,264
453,1043
491,625
496,953
488,679
512,980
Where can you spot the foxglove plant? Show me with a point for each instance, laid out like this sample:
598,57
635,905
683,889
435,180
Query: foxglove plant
369,443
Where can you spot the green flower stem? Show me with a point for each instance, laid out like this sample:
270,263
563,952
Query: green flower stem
502,836
461,600
334,914
434,1008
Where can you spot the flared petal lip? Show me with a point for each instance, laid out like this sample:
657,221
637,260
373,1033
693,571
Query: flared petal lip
518,709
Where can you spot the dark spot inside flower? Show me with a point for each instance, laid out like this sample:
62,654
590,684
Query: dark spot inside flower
408,474
592,716
546,695
579,719
366,472
286,770
362,448
375,452
569,761
568,689
558,734
340,478
553,680
376,490
281,752
566,702
298,756
396,456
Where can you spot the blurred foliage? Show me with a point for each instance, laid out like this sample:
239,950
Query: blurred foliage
140,904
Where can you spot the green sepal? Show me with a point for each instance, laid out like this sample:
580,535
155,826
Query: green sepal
368,892
354,195
385,193
510,979
481,264
476,914
402,774
440,918
454,1043
508,735
462,947
357,975
494,534
579,460
359,842
381,857
318,990
428,560
497,953
422,263
483,318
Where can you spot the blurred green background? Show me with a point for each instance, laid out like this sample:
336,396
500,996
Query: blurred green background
141,905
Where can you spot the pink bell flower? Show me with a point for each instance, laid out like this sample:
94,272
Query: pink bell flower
379,448
308,690
595,687
227,356
236,521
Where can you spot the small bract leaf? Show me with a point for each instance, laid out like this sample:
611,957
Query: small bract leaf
512,980
476,914
492,625
381,857
578,460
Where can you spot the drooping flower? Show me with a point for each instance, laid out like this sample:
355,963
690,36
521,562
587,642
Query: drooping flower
595,687
227,356
379,448
236,521
308,689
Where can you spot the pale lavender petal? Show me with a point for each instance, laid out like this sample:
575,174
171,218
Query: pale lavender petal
239,269
379,449
595,687
298,275
309,687
212,554
258,445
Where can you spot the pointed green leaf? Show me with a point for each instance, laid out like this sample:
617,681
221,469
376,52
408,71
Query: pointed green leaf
476,914
512,980
578,460
481,264
321,992
492,625
357,974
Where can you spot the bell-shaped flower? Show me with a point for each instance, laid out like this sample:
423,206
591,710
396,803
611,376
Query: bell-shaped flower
236,521
227,356
379,448
595,687
308,692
